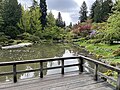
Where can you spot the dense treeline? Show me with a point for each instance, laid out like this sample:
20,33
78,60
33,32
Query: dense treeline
100,11
103,19
33,23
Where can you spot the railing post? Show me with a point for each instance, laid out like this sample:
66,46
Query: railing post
81,64
118,82
62,70
95,72
14,73
41,69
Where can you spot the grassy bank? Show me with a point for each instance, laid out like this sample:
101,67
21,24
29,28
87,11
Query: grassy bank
101,50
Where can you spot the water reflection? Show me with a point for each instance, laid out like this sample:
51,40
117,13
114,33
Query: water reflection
67,53
37,52
27,75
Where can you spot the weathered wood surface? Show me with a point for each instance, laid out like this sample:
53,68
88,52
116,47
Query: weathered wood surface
69,81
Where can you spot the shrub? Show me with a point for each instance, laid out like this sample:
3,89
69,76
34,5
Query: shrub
116,52
11,31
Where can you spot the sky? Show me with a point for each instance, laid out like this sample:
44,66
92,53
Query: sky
69,8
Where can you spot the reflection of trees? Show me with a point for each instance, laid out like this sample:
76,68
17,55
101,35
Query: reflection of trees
34,52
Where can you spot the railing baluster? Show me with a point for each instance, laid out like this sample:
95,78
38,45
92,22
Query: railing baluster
41,69
95,72
14,73
62,70
118,82
81,65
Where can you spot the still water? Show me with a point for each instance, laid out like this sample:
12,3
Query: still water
38,52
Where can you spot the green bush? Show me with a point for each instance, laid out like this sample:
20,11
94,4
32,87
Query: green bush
11,31
116,52
3,39
33,38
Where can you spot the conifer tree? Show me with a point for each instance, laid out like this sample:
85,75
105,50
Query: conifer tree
59,21
11,12
43,8
1,19
100,10
83,12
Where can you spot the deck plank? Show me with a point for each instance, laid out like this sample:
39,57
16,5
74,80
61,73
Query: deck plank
70,81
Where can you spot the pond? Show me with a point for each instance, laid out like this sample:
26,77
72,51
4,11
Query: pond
37,52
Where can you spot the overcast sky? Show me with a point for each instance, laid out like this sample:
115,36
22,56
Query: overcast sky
69,8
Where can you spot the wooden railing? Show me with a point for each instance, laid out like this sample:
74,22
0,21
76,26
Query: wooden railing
81,66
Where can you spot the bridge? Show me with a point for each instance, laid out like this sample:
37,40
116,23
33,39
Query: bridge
75,80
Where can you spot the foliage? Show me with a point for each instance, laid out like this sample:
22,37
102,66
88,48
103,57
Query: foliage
30,22
43,8
11,12
112,32
83,12
116,52
1,18
100,10
59,21
3,38
82,29
11,31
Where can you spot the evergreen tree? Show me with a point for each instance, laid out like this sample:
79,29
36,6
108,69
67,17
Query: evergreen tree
100,10
51,20
43,8
92,9
30,22
64,24
59,21
11,12
70,26
83,12
106,9
1,19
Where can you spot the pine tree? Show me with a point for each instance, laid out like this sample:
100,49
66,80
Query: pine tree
70,26
43,8
1,19
106,9
92,9
100,10
83,12
59,21
11,12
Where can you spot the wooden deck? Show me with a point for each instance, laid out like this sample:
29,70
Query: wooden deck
69,81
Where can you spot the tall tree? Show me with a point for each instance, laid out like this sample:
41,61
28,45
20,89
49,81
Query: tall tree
92,9
59,21
106,9
112,32
1,19
43,8
100,10
30,22
83,12
12,12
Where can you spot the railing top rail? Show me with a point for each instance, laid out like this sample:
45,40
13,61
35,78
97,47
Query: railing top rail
61,58
37,60
101,63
